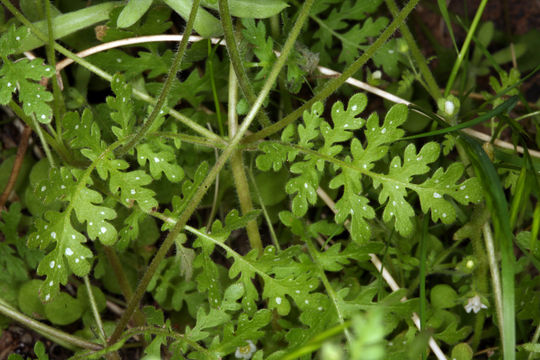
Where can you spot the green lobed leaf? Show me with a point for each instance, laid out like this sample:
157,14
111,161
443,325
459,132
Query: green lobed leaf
263,46
83,132
11,40
68,250
24,76
188,190
161,160
122,107
345,18
360,160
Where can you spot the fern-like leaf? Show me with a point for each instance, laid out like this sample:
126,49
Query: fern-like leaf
320,142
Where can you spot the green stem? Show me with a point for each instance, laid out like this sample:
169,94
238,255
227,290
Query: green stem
335,83
95,310
171,76
464,48
534,340
103,74
244,197
265,212
237,167
123,281
214,172
210,68
481,282
423,265
494,269
431,84
47,331
329,289
43,142
59,148
118,270
145,330
58,97
284,97
236,60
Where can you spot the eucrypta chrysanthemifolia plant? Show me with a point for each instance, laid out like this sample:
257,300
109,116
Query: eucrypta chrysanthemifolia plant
126,180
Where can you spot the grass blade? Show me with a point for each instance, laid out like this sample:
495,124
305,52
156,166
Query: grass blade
446,17
496,201
504,107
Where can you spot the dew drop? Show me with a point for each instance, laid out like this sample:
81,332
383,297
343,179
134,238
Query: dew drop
51,264
278,300
69,252
436,195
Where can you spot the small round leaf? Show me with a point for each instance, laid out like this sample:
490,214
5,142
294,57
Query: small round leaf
63,309
443,296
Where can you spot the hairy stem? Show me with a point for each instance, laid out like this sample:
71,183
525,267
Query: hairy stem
46,330
43,142
237,167
265,212
210,178
95,311
58,101
171,76
335,83
236,60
